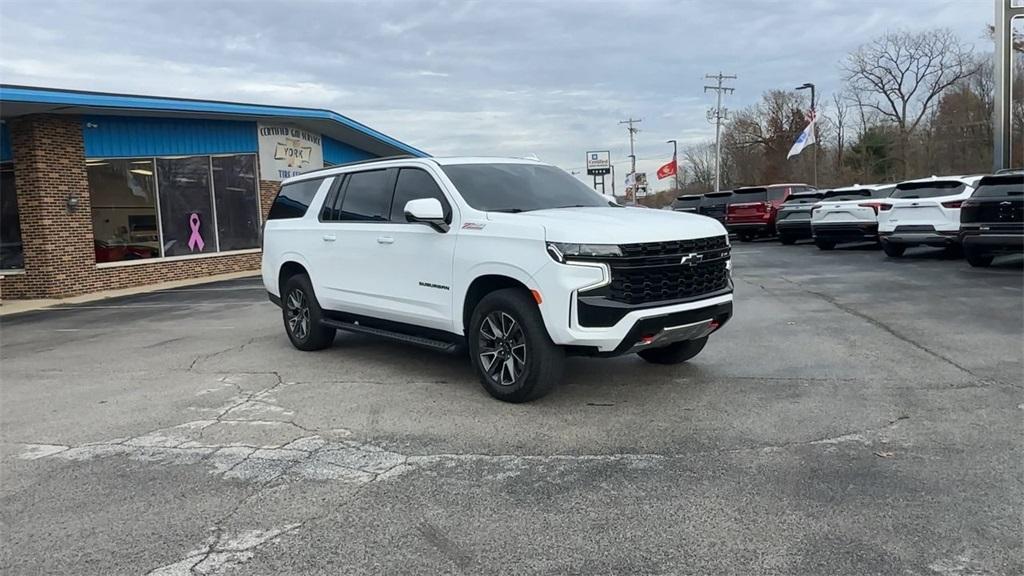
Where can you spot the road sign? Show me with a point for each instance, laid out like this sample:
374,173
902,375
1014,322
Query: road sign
599,162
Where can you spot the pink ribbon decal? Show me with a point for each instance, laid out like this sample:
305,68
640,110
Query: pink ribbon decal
195,239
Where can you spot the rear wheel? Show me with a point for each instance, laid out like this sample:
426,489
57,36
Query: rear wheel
825,244
746,237
979,260
787,240
893,250
675,353
510,347
302,313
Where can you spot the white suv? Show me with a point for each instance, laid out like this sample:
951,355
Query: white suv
849,214
924,212
516,259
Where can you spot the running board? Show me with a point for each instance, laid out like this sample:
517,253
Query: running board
422,342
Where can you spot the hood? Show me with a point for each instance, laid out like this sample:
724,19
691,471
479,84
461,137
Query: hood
610,225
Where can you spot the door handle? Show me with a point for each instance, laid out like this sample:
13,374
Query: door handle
330,237
385,240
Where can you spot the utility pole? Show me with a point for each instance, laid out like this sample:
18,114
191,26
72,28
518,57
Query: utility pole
632,154
718,115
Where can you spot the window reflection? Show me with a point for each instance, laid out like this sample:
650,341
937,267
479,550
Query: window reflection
124,218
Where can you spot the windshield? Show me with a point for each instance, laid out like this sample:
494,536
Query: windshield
928,189
1000,186
520,187
804,199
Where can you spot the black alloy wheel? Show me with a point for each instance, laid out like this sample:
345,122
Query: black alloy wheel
502,348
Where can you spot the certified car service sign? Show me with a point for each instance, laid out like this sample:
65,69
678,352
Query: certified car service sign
287,151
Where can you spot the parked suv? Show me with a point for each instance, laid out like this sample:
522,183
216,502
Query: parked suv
753,211
714,205
689,204
516,259
924,212
849,214
992,219
793,221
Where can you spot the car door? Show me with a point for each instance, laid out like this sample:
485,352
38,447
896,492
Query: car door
351,227
417,258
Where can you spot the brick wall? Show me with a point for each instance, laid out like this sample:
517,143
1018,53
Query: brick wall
49,165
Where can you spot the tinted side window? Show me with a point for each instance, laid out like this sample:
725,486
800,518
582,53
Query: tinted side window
366,197
414,184
331,212
293,199
882,192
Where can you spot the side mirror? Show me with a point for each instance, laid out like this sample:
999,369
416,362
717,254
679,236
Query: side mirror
427,211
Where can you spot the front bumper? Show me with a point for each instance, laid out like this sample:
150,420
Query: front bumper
560,310
846,232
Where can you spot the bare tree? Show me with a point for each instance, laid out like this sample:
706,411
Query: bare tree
838,122
900,75
700,160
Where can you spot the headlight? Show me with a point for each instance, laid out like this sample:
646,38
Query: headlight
562,251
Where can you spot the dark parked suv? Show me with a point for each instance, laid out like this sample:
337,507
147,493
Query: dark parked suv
689,204
793,221
992,219
714,205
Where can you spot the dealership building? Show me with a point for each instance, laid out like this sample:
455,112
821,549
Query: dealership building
105,191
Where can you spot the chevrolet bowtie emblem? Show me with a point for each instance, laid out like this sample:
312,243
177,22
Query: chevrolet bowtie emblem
692,259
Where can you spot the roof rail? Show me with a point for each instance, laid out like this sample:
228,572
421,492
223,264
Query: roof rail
358,162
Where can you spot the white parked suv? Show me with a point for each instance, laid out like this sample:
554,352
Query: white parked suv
924,212
515,259
849,214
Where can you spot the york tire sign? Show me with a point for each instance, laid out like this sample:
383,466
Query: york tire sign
287,151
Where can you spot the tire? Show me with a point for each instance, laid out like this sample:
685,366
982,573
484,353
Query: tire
524,364
825,244
787,240
746,237
301,314
893,250
979,260
676,353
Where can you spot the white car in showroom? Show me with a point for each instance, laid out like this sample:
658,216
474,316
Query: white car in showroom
849,214
924,212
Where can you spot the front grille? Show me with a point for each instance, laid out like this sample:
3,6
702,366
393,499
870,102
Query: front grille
654,271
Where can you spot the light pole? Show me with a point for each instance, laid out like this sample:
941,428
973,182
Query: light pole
814,120
675,160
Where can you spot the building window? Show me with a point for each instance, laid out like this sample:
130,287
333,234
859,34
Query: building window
11,254
238,208
148,208
186,209
124,216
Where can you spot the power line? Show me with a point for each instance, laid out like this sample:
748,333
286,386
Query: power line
632,154
718,114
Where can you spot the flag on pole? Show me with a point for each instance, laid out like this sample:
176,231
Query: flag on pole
805,139
668,169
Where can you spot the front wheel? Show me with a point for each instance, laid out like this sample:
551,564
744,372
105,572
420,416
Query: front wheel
675,353
746,237
510,347
825,244
787,240
893,250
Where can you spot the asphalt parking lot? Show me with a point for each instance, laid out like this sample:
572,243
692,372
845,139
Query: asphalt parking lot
858,416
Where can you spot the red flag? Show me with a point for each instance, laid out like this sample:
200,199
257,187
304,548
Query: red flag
668,169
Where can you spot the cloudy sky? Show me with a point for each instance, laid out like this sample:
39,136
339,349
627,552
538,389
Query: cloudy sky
499,77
